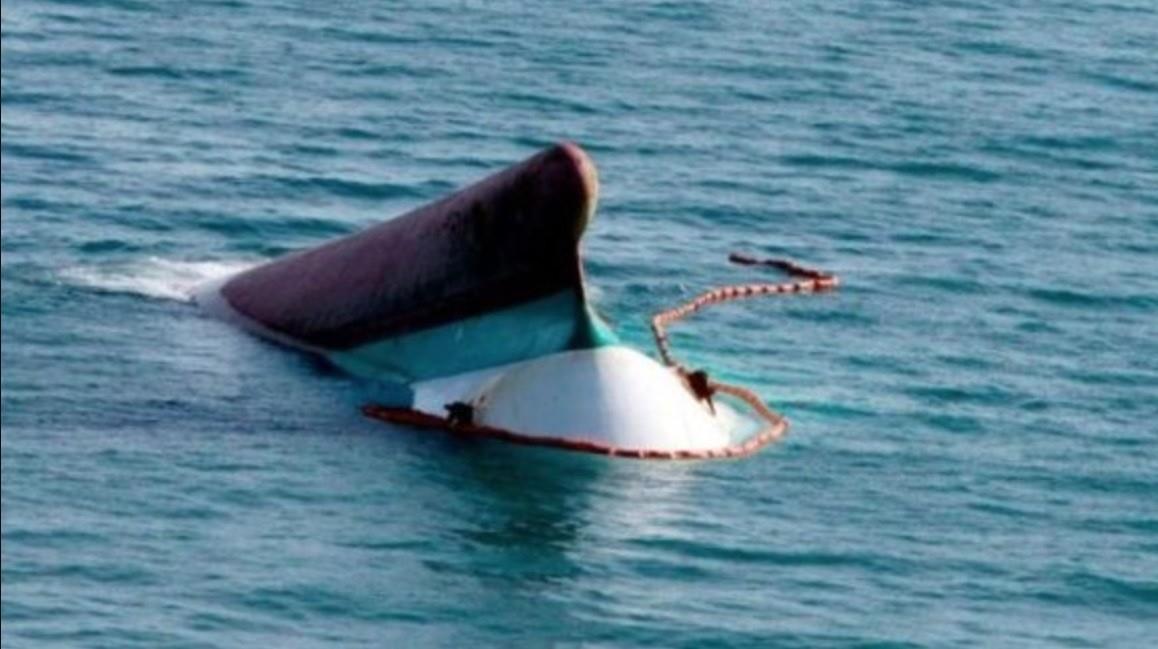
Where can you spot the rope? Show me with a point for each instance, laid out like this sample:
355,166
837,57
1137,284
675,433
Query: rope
812,281
460,421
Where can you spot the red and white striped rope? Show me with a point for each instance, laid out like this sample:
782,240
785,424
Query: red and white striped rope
814,282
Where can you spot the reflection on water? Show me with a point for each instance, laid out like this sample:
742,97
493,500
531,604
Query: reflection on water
528,521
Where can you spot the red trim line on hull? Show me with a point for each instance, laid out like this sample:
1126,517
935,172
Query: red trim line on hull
774,430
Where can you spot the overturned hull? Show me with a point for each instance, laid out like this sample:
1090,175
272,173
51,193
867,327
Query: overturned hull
477,301
487,276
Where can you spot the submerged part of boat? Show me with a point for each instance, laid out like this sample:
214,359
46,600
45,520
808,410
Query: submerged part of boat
477,303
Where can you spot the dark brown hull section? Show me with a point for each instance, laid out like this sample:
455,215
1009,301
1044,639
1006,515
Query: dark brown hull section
509,239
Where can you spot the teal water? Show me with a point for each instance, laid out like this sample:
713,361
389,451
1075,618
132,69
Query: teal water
972,461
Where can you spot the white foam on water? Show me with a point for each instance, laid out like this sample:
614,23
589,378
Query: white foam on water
154,277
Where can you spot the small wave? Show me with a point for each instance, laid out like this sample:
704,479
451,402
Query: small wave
1090,299
162,279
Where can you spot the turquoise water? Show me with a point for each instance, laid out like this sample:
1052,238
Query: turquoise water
972,460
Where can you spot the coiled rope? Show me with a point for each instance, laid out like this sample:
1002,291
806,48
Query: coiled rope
459,419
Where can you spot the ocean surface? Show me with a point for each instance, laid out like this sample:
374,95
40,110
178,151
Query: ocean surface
973,458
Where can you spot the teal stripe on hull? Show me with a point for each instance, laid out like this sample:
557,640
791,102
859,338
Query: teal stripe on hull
557,323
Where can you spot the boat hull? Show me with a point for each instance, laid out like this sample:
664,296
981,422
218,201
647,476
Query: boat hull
477,304
487,276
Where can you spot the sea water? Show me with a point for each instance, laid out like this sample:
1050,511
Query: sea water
972,460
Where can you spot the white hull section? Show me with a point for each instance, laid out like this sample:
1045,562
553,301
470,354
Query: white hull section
612,396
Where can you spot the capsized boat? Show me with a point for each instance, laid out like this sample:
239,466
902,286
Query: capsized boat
477,302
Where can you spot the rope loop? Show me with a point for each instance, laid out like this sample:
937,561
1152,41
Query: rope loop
809,280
